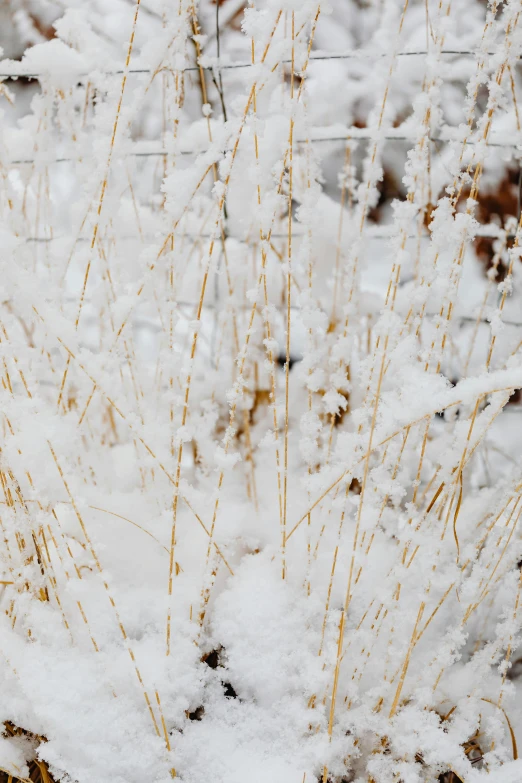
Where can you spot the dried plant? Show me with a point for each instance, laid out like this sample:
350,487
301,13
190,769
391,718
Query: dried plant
260,365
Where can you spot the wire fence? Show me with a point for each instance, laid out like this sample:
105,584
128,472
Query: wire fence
377,232
352,134
16,71
151,150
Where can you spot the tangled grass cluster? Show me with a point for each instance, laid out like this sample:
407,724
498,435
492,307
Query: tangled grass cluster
260,363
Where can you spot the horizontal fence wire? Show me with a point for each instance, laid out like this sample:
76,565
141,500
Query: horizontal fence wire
21,73
352,134
378,232
223,306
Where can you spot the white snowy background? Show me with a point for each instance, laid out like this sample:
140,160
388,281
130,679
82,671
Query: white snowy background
260,353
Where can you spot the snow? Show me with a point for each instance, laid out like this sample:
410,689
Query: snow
260,459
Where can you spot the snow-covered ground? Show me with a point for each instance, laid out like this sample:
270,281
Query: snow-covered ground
260,353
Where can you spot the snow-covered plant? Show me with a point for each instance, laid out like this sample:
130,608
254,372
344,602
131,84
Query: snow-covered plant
260,364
